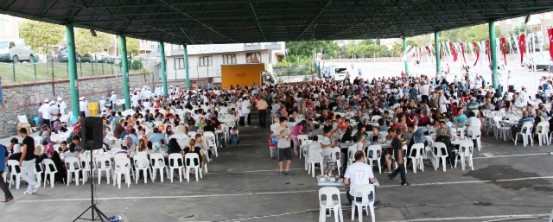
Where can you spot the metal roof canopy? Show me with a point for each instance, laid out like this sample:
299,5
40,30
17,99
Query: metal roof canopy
232,21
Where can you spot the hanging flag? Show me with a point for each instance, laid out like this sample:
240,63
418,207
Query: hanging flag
477,51
453,51
488,50
550,35
516,47
522,46
503,43
463,52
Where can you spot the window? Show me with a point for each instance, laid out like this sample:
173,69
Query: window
179,63
229,59
254,57
5,27
205,61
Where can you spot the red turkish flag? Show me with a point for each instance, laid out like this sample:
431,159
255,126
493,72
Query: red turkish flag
488,50
453,52
477,51
504,48
550,34
522,46
463,52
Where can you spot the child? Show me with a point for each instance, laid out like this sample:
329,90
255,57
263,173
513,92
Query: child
234,136
162,148
272,145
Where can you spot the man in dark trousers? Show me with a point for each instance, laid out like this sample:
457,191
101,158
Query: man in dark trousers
8,197
262,106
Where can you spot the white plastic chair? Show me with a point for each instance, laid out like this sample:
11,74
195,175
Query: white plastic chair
50,171
374,153
175,163
141,164
351,152
501,131
38,173
375,118
416,155
103,164
158,164
122,168
211,142
86,167
191,165
439,151
73,166
367,204
335,156
191,134
476,136
525,133
466,149
302,139
312,159
327,201
542,132
15,173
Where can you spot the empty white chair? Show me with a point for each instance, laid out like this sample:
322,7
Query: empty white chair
366,203
158,164
38,173
103,164
73,166
476,136
439,151
86,168
416,154
122,168
312,159
302,139
525,133
501,131
141,164
175,163
466,149
328,202
542,132
335,156
211,142
374,153
15,173
192,162
50,171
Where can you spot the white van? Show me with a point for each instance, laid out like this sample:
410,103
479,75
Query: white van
15,51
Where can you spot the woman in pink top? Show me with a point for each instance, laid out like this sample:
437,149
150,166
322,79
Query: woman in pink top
297,130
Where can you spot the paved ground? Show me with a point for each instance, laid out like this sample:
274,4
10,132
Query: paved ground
508,184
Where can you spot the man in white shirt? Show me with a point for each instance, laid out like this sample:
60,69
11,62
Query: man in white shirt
425,91
473,121
246,105
359,173
83,106
113,99
44,112
62,105
54,110
134,100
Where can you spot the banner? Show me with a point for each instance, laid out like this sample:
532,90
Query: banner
550,35
503,43
477,51
453,51
488,51
522,46
463,52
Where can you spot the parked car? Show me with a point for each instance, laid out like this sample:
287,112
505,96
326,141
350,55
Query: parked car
87,58
541,59
62,55
15,51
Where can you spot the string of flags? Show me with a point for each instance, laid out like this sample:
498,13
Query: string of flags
515,44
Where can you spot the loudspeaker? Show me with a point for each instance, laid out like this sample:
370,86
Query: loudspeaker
92,133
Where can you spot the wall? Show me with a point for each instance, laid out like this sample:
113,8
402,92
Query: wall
25,99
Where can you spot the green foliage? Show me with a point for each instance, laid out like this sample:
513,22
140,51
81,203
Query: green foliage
133,46
309,48
40,36
88,44
523,28
136,65
468,34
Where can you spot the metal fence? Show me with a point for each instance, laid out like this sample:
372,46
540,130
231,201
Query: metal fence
51,70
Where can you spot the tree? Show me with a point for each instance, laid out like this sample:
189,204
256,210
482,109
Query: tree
40,36
133,46
468,34
307,48
87,44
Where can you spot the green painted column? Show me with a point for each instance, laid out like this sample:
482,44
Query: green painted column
125,71
493,55
72,71
405,51
186,66
437,52
163,69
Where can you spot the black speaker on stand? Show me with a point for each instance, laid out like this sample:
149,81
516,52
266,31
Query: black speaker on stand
92,139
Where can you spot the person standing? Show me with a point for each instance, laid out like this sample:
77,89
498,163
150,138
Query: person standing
83,107
113,99
3,157
246,109
54,110
359,173
262,106
44,113
283,145
397,145
62,105
27,162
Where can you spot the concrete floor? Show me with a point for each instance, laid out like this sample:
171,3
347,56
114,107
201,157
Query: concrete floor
508,184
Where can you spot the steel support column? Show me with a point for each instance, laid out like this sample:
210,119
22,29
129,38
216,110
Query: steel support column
163,69
493,55
437,54
72,71
405,51
125,71
186,71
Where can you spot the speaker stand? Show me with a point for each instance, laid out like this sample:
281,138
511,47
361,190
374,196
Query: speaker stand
93,208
